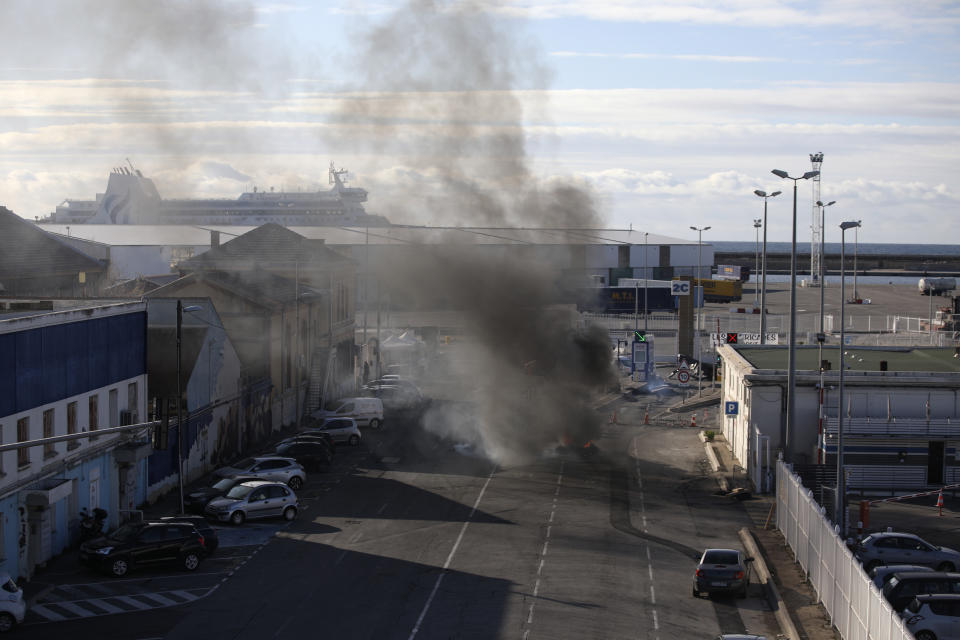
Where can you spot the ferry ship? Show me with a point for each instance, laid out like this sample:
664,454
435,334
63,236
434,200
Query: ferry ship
132,198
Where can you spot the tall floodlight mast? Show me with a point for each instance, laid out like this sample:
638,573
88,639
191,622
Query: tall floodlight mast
816,257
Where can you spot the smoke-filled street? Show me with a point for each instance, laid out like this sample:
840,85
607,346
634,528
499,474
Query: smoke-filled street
426,537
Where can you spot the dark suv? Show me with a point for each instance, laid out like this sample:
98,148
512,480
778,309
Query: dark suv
145,543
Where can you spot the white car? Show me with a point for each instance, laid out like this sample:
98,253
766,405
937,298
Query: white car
934,616
13,607
340,429
277,468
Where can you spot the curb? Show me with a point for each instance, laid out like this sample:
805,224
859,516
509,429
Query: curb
711,456
772,593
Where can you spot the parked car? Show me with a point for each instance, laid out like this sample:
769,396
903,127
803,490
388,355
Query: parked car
255,499
934,617
904,587
904,548
368,412
210,538
311,454
145,543
340,429
314,436
881,574
267,468
396,398
13,608
722,571
196,500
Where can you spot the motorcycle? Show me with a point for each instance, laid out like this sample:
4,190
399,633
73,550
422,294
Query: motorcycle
91,526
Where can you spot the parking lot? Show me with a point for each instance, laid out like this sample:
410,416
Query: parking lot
67,590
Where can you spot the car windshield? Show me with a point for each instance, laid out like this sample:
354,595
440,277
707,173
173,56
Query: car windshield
720,557
126,532
240,491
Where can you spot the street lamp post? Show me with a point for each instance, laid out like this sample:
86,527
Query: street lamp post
646,310
180,311
821,337
763,267
822,255
841,488
792,355
757,223
856,246
696,333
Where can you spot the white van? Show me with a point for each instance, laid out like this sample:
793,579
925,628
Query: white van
368,412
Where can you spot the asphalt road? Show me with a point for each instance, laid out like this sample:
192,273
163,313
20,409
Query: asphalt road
420,541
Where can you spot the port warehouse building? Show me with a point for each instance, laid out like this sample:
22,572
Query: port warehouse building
581,257
901,414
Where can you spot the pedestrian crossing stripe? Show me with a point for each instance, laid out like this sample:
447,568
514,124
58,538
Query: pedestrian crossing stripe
73,609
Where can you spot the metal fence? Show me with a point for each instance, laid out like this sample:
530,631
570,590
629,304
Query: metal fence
855,605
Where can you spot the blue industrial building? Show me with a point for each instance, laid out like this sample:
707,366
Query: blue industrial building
68,371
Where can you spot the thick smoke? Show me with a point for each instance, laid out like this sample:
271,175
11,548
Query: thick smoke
440,96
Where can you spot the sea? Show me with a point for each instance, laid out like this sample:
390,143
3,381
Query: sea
833,248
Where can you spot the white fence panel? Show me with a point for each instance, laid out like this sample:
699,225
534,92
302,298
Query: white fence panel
856,607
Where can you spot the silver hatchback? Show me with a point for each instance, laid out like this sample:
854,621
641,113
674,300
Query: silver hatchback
278,468
904,548
252,500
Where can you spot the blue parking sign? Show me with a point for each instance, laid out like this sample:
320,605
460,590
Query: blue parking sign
731,408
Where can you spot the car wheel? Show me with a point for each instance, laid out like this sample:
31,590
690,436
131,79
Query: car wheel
237,517
289,513
7,622
191,561
696,594
354,440
945,566
743,592
295,483
374,424
925,635
119,567
870,566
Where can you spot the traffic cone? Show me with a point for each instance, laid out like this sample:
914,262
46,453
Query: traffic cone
693,420
646,418
613,418
940,501
706,415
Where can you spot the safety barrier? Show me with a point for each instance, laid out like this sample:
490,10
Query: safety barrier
856,607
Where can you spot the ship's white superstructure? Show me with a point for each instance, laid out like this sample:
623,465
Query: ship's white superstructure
132,198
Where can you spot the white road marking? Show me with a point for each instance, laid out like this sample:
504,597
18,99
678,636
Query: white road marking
132,602
446,565
543,552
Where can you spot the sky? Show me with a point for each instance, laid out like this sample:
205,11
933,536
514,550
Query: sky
656,116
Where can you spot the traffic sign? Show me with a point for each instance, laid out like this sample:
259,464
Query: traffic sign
731,408
731,338
679,288
716,339
683,377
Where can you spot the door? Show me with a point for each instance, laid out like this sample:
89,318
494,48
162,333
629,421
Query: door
258,505
149,545
935,461
279,498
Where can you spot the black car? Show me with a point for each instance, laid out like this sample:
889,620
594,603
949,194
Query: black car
204,528
196,501
143,544
311,454
312,435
